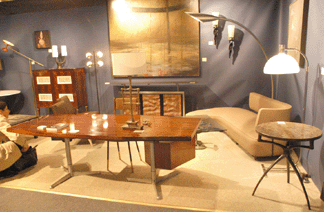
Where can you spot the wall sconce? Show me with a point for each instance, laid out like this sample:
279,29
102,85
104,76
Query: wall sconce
59,58
231,32
93,61
215,26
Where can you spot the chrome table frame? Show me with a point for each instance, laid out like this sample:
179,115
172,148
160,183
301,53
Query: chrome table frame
69,167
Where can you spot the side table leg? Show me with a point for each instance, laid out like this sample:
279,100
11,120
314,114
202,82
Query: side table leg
300,179
287,153
265,173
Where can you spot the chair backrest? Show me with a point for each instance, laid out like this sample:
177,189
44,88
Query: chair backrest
125,108
63,106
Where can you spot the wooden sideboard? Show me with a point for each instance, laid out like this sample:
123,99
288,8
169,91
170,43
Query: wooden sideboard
51,84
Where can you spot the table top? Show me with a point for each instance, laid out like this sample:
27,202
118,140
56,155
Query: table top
109,127
289,131
8,92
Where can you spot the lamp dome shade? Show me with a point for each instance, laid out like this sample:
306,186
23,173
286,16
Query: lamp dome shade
8,43
281,64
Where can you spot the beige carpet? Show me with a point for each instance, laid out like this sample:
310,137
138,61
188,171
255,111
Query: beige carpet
220,178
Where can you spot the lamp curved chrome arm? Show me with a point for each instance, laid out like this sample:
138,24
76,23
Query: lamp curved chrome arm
201,17
306,79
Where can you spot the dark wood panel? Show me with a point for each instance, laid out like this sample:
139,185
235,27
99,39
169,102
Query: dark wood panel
41,87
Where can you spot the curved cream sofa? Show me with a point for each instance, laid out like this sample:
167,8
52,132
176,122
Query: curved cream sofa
240,123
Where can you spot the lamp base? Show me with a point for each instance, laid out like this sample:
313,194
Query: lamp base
132,125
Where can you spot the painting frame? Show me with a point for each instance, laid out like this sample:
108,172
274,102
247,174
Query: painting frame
169,37
297,29
42,39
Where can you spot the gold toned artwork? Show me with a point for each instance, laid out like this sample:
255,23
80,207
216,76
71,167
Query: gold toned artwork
161,28
298,12
42,39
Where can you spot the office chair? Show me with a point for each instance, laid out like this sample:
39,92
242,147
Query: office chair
125,109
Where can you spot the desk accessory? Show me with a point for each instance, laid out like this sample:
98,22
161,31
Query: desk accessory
129,64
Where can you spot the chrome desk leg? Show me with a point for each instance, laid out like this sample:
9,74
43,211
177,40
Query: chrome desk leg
153,170
69,168
107,155
69,163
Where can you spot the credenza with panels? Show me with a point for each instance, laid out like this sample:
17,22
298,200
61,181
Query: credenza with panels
160,103
51,84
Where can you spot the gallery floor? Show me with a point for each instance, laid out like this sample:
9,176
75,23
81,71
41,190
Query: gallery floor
220,178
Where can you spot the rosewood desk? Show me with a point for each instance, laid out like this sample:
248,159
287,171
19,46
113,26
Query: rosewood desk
109,127
294,134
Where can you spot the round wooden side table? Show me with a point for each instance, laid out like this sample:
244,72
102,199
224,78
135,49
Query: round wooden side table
295,134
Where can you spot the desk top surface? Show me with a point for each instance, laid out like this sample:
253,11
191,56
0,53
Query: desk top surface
8,92
289,131
109,127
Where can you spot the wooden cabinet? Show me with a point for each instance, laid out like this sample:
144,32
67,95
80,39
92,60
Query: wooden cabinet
52,84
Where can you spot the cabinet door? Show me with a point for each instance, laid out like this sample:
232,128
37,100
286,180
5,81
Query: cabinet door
172,105
44,88
151,104
64,85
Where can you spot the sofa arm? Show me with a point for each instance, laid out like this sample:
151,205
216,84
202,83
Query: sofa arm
272,114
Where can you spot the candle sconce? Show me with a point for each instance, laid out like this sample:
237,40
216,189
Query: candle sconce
59,58
231,32
216,28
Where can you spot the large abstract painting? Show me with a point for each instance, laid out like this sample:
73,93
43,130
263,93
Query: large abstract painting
161,29
298,13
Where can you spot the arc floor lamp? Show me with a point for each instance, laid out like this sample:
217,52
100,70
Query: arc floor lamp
31,62
279,64
201,17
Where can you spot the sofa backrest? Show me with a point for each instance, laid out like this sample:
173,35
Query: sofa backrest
269,109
